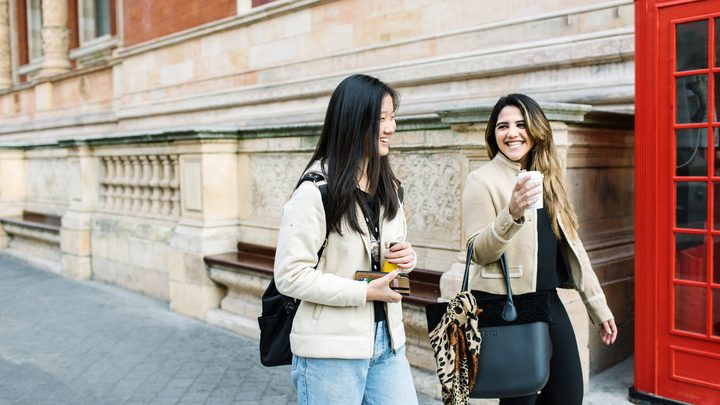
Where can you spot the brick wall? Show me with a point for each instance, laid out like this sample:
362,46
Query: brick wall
146,19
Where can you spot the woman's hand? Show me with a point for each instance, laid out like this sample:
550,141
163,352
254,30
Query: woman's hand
524,194
379,289
608,332
401,254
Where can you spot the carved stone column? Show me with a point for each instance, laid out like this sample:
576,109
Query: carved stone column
55,38
5,72
202,187
75,233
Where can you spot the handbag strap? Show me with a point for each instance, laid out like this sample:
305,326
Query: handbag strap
509,312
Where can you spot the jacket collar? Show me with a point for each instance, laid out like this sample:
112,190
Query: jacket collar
507,162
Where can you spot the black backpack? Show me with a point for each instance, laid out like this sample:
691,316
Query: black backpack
278,311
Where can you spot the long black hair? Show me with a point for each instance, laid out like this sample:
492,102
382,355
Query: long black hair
349,138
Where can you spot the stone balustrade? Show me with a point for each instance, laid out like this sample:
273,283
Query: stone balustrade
141,184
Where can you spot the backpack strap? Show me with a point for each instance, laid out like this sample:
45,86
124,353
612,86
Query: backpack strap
316,177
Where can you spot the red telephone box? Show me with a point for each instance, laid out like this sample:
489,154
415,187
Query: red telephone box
677,184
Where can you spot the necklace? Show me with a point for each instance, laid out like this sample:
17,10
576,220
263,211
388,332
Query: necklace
374,242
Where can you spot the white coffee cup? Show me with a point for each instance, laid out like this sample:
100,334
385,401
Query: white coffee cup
535,177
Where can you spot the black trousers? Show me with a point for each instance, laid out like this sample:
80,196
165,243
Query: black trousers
565,386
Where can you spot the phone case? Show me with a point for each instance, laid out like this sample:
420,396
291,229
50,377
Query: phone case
401,283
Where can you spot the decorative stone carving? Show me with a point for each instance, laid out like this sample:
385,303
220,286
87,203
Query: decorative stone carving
55,38
5,68
48,181
432,184
145,184
272,182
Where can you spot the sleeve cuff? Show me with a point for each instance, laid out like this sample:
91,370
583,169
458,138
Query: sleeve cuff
598,309
505,226
357,294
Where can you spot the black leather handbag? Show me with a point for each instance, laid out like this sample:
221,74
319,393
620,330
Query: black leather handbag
515,353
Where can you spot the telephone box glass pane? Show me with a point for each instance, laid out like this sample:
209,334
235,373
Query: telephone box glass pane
716,260
691,45
690,257
716,206
717,42
716,313
691,99
690,308
717,153
691,204
717,94
691,152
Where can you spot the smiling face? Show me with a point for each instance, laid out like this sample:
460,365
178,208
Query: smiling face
387,125
511,136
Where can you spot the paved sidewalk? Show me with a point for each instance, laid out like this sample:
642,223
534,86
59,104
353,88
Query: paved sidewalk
67,342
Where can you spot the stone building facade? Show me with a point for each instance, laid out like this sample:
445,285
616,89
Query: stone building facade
159,133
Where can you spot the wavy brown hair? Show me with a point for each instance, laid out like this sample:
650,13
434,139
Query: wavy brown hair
543,158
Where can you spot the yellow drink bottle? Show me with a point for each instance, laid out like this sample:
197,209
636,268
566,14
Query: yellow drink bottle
387,267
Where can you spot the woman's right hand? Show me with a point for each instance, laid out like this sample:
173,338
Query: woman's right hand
379,289
524,194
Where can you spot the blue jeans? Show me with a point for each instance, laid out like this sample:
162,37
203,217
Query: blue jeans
383,379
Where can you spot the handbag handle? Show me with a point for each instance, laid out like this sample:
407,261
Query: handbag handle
509,312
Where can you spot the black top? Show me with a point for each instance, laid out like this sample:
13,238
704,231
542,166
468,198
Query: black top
372,218
550,267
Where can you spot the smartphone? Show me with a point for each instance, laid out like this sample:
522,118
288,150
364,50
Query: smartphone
401,283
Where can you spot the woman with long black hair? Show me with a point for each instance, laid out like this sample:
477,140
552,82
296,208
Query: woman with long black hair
348,339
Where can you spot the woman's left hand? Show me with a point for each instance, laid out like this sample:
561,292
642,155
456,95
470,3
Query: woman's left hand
608,332
401,254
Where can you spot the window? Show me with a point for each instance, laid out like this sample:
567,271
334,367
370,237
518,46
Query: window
34,27
94,16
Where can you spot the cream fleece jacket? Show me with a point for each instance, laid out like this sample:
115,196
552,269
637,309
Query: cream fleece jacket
334,320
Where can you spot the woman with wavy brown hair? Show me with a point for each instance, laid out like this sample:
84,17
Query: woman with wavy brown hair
541,246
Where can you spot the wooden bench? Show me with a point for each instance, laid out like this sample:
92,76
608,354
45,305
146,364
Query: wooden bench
33,237
35,220
424,284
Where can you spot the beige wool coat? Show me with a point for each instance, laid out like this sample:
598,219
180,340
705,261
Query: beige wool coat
487,219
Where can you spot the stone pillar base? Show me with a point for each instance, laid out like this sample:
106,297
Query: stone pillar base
194,300
77,267
192,292
75,245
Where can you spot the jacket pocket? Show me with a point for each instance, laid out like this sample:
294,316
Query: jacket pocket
496,271
317,311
